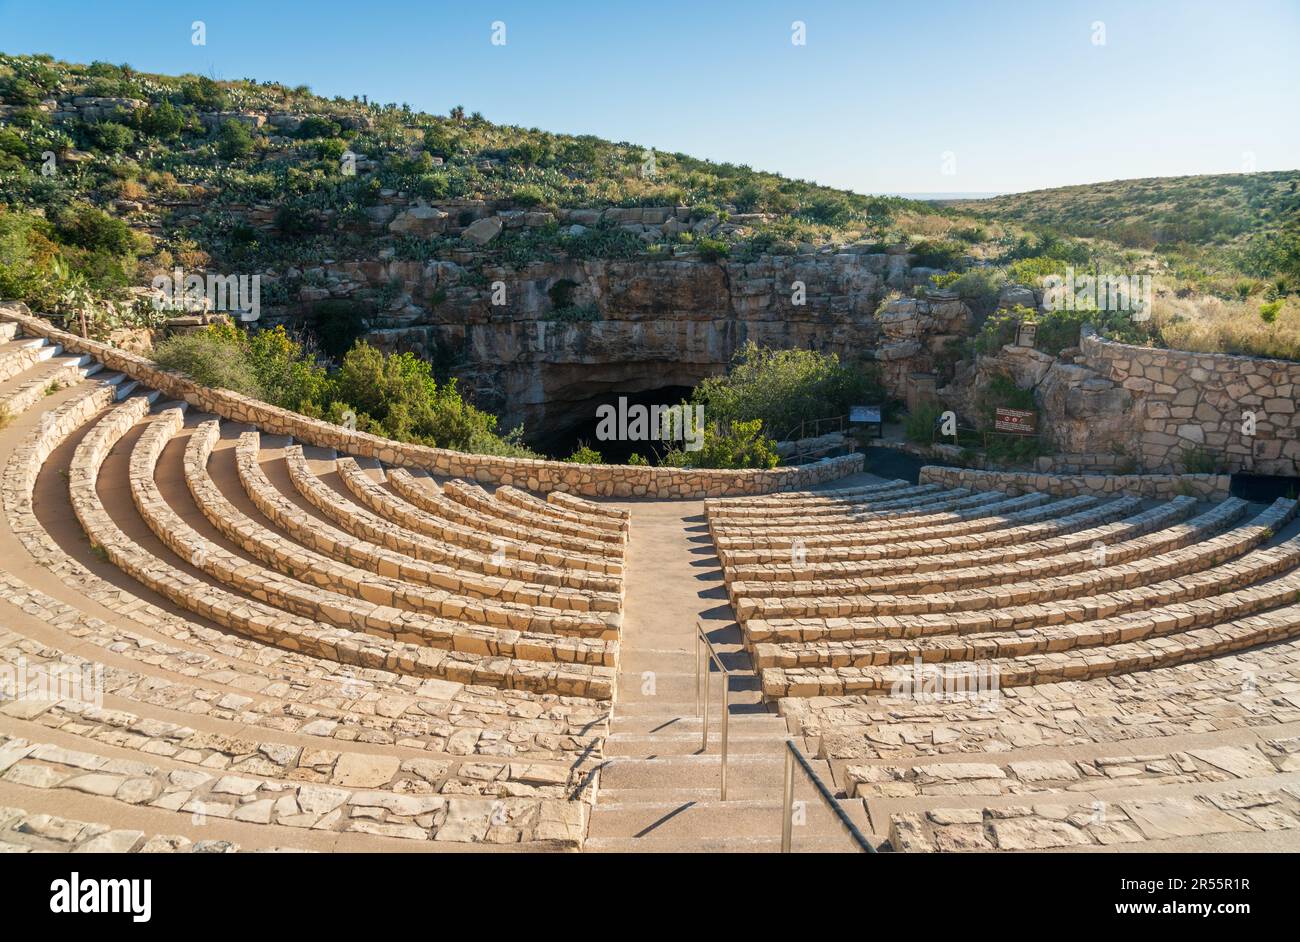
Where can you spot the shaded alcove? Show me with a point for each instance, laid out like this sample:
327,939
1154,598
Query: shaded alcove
581,421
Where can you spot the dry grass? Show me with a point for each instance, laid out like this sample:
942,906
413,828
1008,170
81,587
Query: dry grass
1210,325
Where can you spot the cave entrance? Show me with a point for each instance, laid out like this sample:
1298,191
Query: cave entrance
582,424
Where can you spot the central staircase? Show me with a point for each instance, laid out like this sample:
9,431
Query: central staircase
659,790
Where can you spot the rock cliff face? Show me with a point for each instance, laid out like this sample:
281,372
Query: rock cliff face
643,324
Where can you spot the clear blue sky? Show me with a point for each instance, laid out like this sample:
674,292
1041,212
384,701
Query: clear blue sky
1017,92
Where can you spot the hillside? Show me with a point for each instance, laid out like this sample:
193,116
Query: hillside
1243,222
368,219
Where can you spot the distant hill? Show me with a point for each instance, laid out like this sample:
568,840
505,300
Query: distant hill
1158,211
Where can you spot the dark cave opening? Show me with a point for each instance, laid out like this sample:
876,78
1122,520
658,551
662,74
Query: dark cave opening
567,438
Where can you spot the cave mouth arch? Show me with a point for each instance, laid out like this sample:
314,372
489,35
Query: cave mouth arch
561,438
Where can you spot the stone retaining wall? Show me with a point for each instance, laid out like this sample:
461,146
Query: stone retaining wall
534,475
1187,400
1161,486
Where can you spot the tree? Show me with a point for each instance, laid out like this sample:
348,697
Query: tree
234,141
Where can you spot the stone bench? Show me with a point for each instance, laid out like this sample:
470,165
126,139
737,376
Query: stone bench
427,510
577,536
968,508
461,499
364,523
991,645
216,797
436,714
783,499
1018,542
1127,657
1213,579
497,608
1139,572
274,626
989,574
582,505
1222,809
540,508
1248,690
601,593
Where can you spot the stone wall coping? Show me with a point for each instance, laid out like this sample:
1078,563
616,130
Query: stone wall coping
1160,486
1089,337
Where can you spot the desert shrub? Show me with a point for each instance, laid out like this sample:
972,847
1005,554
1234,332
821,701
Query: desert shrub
205,94
314,126
163,120
95,230
919,425
999,329
396,395
1212,325
1032,271
110,137
432,186
738,445
827,210
210,358
234,141
527,195
979,288
585,454
711,250
940,254
782,388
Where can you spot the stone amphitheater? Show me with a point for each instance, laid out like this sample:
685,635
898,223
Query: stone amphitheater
221,632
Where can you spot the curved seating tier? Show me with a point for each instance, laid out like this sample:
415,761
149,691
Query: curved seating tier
409,533
259,667
1046,674
430,508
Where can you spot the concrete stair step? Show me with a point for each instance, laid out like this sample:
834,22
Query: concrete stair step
694,820
666,709
687,771
633,687
828,844
679,662
688,743
653,724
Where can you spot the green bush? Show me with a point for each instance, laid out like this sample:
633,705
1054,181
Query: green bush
742,445
527,195
163,120
234,141
919,426
782,388
585,454
111,137
711,250
210,359
941,254
314,126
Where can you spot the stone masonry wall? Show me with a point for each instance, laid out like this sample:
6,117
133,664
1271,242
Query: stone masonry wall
1161,486
1187,400
534,475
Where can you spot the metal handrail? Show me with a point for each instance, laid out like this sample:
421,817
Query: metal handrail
702,643
787,825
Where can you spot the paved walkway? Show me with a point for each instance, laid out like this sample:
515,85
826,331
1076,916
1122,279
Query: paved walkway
659,791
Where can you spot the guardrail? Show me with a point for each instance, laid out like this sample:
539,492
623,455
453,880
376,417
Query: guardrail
793,755
702,671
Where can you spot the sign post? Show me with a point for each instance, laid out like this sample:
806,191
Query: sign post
869,416
1015,421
